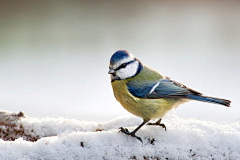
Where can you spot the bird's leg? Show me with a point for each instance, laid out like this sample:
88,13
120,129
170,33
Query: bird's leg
125,130
158,123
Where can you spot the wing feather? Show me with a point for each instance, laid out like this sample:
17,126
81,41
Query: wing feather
164,88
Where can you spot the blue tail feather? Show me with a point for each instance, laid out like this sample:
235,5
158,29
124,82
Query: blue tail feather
210,99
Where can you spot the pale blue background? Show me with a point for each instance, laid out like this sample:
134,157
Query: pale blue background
54,55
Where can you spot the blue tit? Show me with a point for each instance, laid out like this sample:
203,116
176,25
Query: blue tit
146,93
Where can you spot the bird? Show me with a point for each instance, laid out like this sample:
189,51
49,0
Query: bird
146,93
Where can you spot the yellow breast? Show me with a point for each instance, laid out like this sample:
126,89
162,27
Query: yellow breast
141,107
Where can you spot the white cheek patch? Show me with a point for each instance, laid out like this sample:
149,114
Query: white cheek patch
129,71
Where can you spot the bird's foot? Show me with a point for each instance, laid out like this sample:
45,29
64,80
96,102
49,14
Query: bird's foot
125,130
158,124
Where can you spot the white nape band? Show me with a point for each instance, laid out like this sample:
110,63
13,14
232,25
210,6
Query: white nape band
154,87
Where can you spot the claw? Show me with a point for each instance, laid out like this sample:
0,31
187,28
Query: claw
120,129
158,124
124,130
129,133
139,138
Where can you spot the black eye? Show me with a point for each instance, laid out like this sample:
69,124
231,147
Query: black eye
123,65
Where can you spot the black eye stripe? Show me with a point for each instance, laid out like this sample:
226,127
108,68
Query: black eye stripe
124,65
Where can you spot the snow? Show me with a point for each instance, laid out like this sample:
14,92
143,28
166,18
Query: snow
62,138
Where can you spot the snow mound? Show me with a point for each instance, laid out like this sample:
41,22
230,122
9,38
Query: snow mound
59,138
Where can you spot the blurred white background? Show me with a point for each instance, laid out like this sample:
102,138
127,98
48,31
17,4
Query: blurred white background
54,55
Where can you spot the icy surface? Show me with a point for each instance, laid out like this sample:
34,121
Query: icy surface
72,139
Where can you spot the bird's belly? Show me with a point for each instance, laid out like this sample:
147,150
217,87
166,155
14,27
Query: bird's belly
142,107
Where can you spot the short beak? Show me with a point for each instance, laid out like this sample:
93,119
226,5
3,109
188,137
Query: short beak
111,71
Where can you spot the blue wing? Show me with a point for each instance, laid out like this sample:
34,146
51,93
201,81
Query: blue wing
167,88
164,88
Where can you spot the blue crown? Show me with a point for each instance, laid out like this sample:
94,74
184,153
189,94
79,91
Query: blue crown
119,55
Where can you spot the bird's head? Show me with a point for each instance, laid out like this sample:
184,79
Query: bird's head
123,65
